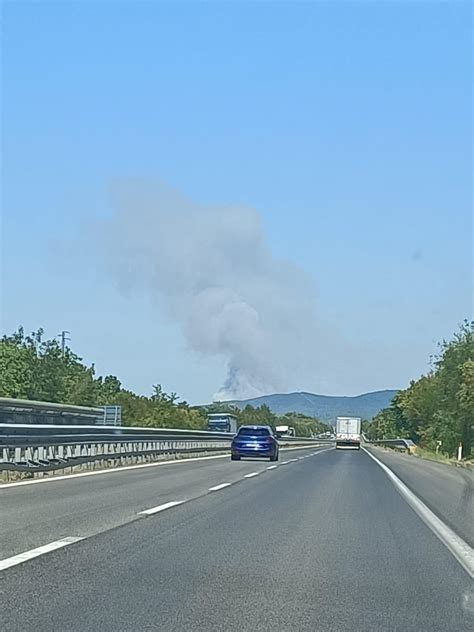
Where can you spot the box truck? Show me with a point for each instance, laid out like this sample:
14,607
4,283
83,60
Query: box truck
348,431
222,422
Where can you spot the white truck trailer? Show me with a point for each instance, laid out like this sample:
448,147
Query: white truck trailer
284,431
348,431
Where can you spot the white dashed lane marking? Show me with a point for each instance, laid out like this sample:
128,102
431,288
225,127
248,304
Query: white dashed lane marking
41,550
154,510
216,488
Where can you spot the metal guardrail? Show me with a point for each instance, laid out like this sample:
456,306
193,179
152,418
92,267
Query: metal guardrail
46,432
34,448
25,411
406,444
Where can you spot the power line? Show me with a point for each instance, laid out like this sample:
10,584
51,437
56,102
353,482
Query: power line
64,338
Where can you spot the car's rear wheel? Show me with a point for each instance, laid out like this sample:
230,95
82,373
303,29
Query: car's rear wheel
274,457
234,457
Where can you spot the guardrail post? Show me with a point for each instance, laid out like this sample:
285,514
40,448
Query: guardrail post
5,473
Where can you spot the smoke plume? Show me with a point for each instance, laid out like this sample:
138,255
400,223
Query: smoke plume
211,269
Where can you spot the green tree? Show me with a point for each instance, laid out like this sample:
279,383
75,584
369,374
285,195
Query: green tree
453,367
108,390
465,397
34,368
16,366
440,405
304,425
260,416
222,407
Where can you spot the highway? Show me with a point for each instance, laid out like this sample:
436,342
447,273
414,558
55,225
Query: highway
448,490
84,505
322,542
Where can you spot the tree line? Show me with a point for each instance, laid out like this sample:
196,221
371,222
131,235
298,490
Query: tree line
304,425
437,410
35,368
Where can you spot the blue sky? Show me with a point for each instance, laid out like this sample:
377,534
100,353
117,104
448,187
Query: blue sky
346,125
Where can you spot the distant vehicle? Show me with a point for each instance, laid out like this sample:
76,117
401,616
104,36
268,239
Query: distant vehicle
348,432
222,422
255,441
285,431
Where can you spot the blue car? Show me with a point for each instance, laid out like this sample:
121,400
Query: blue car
256,441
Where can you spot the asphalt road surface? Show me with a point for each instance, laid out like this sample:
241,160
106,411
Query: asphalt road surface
324,542
448,490
33,514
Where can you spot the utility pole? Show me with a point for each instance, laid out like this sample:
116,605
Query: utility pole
64,338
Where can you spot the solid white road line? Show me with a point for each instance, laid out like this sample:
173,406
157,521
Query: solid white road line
458,547
154,510
272,467
114,470
251,475
41,550
216,488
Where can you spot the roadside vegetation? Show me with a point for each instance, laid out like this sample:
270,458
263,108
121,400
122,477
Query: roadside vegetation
32,367
437,410
304,425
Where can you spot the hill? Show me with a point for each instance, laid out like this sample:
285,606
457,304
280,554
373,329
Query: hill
324,407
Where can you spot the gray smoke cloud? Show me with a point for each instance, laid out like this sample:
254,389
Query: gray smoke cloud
212,271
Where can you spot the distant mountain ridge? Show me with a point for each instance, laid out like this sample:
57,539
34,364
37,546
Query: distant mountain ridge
324,407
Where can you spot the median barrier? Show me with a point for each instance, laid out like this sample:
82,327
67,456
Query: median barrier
33,449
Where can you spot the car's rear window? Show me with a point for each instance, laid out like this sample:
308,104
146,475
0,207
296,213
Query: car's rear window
254,432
